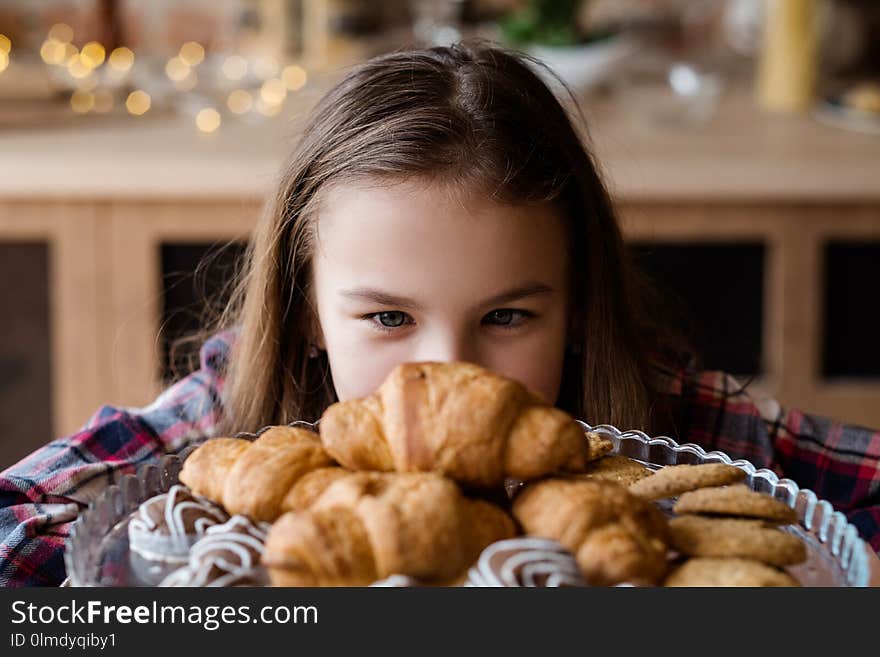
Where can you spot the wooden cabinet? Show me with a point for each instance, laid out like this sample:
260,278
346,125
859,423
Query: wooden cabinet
796,238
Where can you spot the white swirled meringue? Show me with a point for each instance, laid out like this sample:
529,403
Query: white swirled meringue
228,555
167,525
525,562
397,581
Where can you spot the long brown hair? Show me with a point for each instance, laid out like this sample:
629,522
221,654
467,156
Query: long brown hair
472,117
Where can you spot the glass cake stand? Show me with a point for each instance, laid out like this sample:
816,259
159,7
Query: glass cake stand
97,551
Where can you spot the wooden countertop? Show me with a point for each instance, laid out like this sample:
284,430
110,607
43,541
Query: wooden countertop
741,154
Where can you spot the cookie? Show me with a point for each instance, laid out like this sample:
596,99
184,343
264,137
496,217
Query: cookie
597,445
674,480
619,469
748,539
714,572
736,500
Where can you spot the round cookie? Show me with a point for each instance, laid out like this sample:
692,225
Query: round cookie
748,539
738,500
597,445
526,561
674,480
715,572
619,469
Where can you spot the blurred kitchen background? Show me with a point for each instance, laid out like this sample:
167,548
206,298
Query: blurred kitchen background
740,139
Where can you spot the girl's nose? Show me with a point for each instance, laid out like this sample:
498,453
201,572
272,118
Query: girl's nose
446,349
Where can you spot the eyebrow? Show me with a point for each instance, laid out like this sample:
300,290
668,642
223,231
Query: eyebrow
378,296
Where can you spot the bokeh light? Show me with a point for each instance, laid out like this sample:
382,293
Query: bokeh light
121,59
192,53
267,109
5,44
52,52
240,101
176,69
82,101
295,77
235,67
61,32
265,67
208,119
4,61
188,83
78,69
273,91
92,54
71,53
138,102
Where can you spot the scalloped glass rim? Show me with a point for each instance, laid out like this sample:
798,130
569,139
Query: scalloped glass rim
829,527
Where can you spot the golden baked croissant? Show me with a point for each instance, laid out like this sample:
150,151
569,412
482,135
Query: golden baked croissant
366,526
615,536
458,419
255,478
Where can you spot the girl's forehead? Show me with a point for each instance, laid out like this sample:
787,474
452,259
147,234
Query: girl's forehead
423,231
388,214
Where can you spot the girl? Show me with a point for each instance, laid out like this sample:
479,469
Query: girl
440,205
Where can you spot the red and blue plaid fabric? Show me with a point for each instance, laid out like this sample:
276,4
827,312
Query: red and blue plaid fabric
41,495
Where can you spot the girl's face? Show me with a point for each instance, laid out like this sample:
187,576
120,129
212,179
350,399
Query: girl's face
411,273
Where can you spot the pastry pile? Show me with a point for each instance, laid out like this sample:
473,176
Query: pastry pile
408,486
404,482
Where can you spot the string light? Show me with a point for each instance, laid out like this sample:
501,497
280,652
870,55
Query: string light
82,101
267,109
71,54
92,54
78,69
121,59
52,51
240,102
192,53
208,120
188,83
176,69
61,32
235,67
273,92
89,95
294,77
138,102
265,67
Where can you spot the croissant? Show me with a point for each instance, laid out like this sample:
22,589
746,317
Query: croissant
256,478
615,536
456,419
366,526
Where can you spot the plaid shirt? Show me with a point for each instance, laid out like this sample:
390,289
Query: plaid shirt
41,495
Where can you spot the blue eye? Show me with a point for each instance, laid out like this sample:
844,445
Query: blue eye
388,321
507,317
391,319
